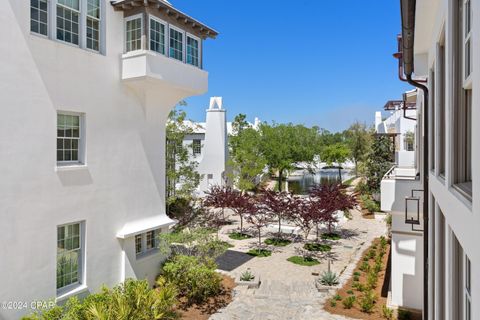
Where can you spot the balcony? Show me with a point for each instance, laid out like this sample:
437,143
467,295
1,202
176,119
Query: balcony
145,70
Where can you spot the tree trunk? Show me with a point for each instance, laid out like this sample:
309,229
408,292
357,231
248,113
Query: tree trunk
279,226
241,224
318,231
340,173
329,227
280,172
259,238
356,170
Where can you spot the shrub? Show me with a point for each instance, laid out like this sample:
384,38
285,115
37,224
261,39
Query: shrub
194,279
362,188
359,286
278,242
337,297
365,258
261,253
383,242
369,204
372,279
387,313
247,276
304,261
365,267
317,247
132,299
388,220
331,236
356,273
239,236
404,314
333,303
377,267
372,254
329,278
356,278
350,292
348,302
367,301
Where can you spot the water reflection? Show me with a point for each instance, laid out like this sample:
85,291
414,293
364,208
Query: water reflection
303,184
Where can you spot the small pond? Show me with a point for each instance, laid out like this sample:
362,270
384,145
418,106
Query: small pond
302,184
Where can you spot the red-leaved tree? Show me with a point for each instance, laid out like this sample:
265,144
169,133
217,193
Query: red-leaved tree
278,204
300,214
219,197
242,204
329,199
260,217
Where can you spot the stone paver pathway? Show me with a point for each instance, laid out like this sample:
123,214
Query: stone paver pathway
288,291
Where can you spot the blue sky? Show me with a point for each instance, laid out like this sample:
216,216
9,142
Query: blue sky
315,62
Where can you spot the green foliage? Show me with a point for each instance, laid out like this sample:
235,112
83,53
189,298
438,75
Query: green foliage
338,153
359,142
349,301
369,204
247,276
350,292
383,242
181,172
337,297
388,219
379,161
377,267
333,303
372,253
239,236
260,253
362,188
356,278
317,247
365,267
359,286
372,278
278,242
246,158
195,279
331,236
329,278
387,313
356,273
132,299
404,314
367,301
304,261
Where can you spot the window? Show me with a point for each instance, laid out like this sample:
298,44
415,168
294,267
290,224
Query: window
133,30
93,24
68,138
68,13
432,122
176,44
157,36
468,287
39,16
441,107
193,51
467,50
69,255
462,108
146,243
197,146
409,141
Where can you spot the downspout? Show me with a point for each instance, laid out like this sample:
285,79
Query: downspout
407,8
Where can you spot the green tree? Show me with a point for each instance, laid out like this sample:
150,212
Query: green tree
181,171
379,161
283,145
359,141
246,159
338,153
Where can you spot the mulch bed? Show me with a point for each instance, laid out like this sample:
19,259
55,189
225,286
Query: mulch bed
212,305
381,290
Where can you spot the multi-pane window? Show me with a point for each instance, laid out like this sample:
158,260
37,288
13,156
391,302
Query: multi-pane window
432,123
133,29
68,138
197,146
441,108
146,242
462,107
467,43
468,289
138,244
193,51
157,36
39,16
68,18
93,24
176,44
69,254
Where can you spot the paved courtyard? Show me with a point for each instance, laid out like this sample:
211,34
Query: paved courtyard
287,290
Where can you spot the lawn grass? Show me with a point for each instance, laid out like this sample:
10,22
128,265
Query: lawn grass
278,242
239,236
317,247
260,253
303,261
331,236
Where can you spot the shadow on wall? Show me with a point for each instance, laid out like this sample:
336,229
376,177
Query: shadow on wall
77,177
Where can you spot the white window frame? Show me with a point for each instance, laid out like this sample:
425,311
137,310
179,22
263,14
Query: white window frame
81,263
81,140
49,11
144,250
467,37
81,13
467,288
194,145
142,31
184,40
100,21
189,35
166,35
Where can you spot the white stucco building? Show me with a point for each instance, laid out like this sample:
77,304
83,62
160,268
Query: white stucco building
86,87
439,55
